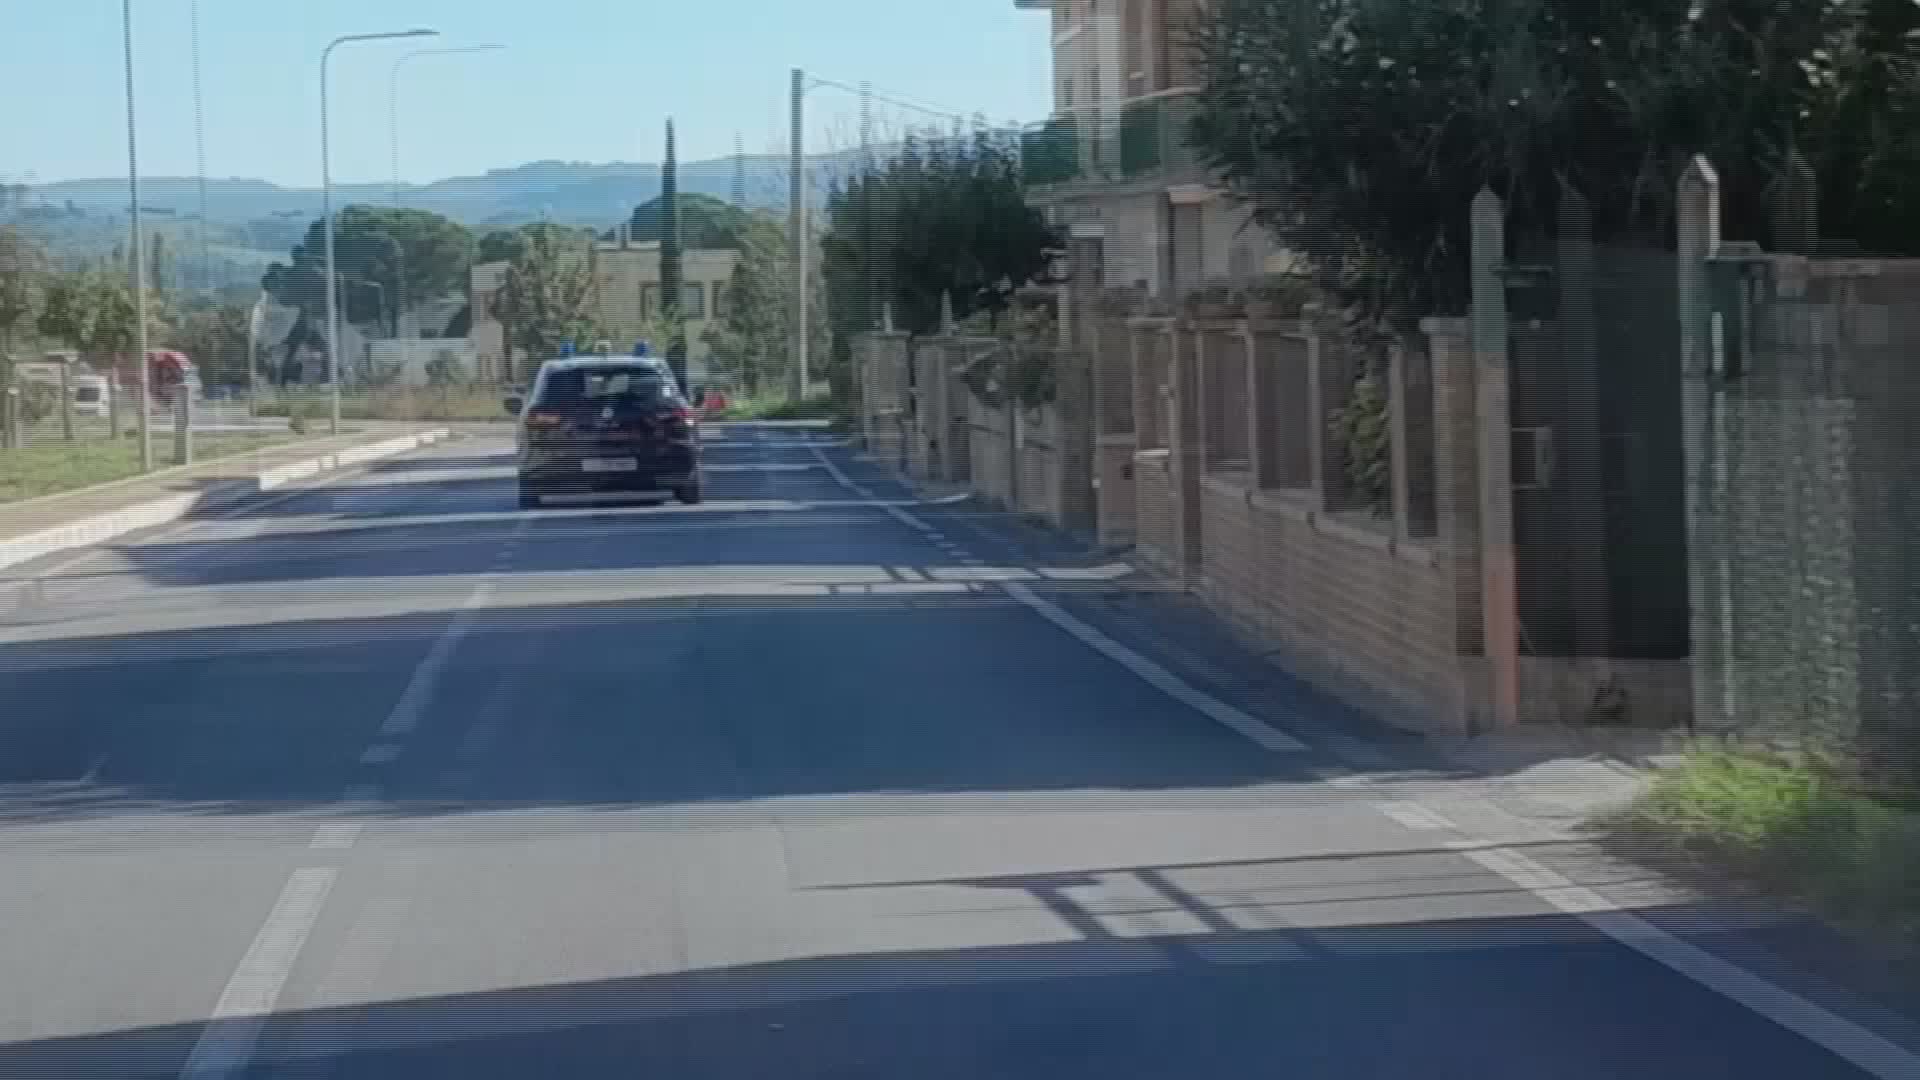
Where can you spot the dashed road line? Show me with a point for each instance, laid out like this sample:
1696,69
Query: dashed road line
1414,816
227,1042
405,716
326,1030
336,836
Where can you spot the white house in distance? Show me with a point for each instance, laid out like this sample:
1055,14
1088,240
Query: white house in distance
629,300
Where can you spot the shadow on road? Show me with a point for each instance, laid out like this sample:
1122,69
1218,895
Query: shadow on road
1490,998
601,704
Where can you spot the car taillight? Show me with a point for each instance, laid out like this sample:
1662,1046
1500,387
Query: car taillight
678,419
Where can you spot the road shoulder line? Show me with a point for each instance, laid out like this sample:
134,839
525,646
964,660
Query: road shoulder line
1247,726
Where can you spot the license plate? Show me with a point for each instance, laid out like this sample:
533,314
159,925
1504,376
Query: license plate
609,464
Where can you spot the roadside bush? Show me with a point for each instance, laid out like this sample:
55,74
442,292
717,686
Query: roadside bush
299,416
38,401
1798,825
814,407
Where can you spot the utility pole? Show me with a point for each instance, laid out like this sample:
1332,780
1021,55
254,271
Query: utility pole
797,227
137,264
869,281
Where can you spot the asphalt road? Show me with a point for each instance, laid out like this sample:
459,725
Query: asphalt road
388,779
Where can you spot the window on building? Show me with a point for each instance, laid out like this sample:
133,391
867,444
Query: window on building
649,301
693,300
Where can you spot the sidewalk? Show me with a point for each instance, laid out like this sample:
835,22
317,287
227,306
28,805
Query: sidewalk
34,527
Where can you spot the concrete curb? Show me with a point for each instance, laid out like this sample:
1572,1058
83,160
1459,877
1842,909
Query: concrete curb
103,527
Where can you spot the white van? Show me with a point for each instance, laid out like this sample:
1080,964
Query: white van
90,396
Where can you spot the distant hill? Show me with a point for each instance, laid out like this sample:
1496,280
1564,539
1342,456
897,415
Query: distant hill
253,222
569,193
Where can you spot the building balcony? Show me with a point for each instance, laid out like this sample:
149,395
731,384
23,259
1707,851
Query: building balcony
1136,143
1153,135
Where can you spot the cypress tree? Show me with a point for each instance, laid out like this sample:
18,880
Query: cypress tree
670,262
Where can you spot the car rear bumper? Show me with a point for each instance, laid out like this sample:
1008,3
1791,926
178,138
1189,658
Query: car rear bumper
566,471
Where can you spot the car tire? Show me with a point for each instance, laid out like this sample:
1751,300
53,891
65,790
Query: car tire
689,494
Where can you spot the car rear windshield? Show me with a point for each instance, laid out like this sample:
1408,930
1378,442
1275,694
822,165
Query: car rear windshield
614,384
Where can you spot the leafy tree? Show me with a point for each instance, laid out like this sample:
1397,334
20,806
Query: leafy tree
442,370
546,297
945,220
39,400
1360,131
705,222
21,262
506,245
753,338
215,336
940,219
94,312
385,256
157,263
502,245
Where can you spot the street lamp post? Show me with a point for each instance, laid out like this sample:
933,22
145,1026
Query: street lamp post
326,208
139,260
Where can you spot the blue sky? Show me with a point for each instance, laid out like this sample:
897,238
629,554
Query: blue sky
578,80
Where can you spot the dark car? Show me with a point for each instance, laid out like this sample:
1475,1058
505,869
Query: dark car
595,424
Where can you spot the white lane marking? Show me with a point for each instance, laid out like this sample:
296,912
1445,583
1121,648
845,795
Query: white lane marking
227,1042
336,836
1414,816
1255,731
413,700
328,1028
1866,1050
1341,777
1154,675
340,835
380,754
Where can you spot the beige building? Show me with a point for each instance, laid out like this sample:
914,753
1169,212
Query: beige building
1111,167
629,301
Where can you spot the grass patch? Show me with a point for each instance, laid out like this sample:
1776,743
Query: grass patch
396,403
51,469
1796,825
